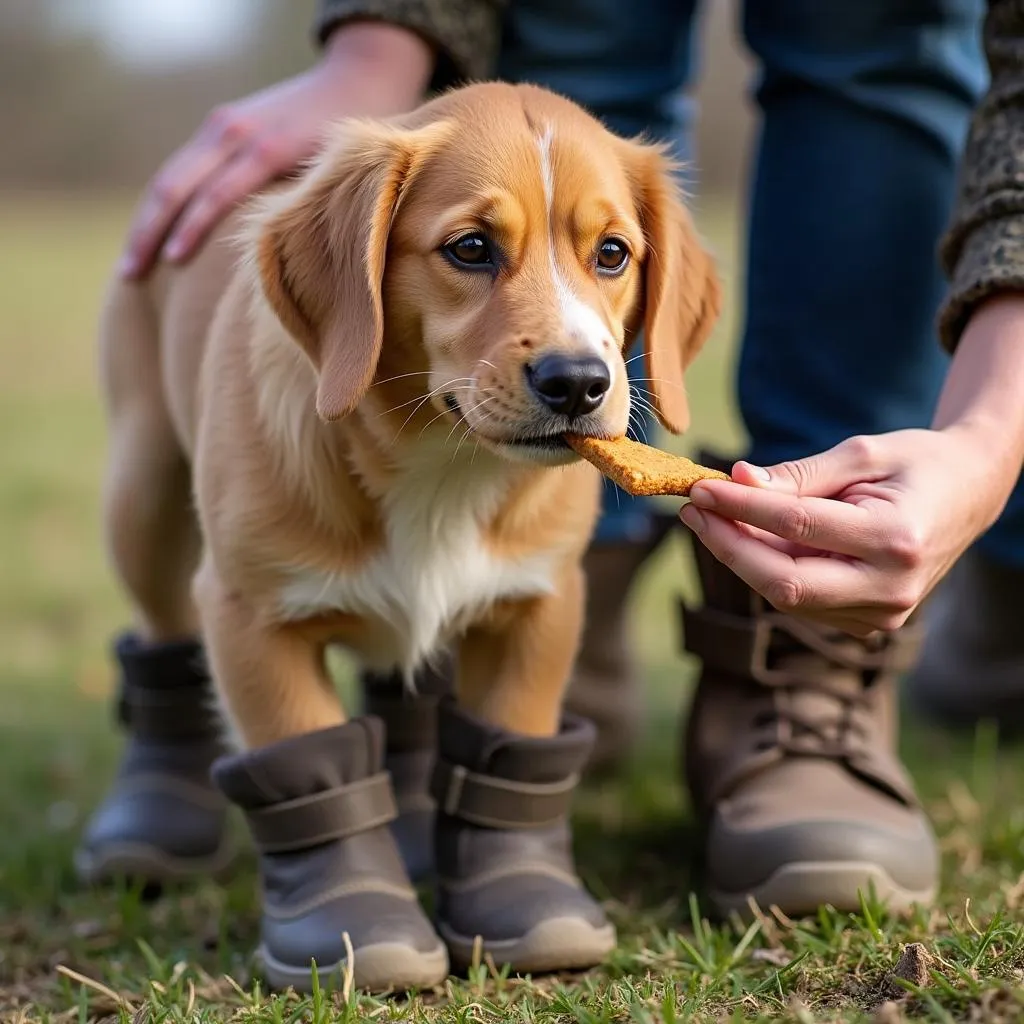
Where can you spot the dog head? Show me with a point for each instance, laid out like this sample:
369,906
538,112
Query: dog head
496,251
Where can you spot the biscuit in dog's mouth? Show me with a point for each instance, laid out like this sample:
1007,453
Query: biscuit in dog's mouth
640,469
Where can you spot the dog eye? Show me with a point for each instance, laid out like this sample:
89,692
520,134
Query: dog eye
471,250
612,255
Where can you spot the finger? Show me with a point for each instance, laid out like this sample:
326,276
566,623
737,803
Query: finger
857,460
786,546
860,622
166,196
221,191
857,620
801,585
821,523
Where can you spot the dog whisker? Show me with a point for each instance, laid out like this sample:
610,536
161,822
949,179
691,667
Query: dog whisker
465,433
656,380
465,417
472,430
449,386
642,405
642,397
402,376
426,398
432,421
444,412
636,426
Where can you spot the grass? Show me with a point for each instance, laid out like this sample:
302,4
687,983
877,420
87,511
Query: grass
69,955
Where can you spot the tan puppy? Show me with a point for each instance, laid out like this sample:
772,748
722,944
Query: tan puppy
368,407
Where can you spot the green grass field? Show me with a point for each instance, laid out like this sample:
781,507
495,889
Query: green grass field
74,956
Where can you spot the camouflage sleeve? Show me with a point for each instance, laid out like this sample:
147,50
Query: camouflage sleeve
982,253
465,33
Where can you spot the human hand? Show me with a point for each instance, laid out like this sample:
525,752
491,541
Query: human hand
856,537
367,69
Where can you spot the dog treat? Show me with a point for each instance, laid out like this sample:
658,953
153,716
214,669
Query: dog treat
640,469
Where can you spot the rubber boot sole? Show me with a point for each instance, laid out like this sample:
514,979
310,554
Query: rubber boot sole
801,887
558,944
381,967
149,864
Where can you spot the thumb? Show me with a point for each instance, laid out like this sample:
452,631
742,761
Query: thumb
820,476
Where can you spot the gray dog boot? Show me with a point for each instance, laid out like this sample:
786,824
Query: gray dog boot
318,808
162,819
504,849
410,722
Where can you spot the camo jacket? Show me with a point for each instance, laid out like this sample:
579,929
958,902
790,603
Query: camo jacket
464,33
982,252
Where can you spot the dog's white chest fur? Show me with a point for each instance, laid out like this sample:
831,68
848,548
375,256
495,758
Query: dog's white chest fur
434,573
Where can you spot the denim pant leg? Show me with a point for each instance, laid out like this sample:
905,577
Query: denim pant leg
866,105
625,62
865,109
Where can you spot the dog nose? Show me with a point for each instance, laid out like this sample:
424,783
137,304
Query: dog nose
571,387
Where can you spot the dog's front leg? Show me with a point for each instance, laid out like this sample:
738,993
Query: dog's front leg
508,764
318,803
272,678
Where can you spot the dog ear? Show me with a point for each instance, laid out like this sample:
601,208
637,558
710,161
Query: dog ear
321,253
682,293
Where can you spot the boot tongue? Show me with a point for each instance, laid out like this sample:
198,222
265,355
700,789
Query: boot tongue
472,743
303,765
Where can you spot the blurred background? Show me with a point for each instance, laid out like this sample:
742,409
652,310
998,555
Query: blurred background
97,92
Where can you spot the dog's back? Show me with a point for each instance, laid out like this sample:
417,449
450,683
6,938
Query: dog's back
153,335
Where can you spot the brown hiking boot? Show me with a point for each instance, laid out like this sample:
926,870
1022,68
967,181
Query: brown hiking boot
410,723
162,820
605,686
318,808
972,664
791,759
504,850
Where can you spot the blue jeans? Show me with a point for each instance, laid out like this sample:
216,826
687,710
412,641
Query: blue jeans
865,106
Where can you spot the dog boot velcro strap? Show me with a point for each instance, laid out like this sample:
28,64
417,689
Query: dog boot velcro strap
500,803
165,690
318,807
162,818
504,851
331,814
410,719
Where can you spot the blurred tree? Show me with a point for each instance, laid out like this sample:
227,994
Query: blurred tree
75,117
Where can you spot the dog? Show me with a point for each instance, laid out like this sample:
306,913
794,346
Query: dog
342,423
